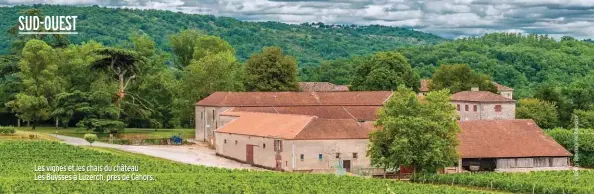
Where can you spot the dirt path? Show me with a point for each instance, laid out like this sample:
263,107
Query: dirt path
197,154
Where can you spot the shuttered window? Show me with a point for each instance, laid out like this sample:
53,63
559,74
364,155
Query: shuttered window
474,108
498,108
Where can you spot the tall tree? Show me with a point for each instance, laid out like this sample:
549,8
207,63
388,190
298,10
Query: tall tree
210,45
460,77
385,71
542,112
182,46
122,63
39,83
271,70
415,133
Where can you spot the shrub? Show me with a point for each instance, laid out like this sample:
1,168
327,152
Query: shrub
586,144
8,130
90,138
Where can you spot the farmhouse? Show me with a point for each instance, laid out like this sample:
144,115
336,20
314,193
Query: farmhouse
294,142
325,131
483,105
361,106
507,145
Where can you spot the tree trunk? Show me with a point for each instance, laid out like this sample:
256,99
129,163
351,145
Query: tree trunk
34,124
18,122
121,93
57,122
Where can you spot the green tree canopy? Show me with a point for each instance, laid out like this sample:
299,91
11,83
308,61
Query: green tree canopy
211,45
460,77
271,70
39,82
415,133
122,63
384,71
182,46
542,112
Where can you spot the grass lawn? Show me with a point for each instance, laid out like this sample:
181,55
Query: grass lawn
127,133
25,135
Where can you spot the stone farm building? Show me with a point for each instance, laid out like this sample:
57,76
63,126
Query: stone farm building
320,131
483,105
507,145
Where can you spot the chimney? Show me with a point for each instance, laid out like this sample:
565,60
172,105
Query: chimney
474,89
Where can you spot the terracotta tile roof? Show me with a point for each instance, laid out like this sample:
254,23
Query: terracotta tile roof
424,85
300,127
479,96
506,138
265,124
335,129
239,99
502,88
322,87
366,113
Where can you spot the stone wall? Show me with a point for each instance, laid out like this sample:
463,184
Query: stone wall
485,111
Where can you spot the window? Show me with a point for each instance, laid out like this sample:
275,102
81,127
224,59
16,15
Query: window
301,157
278,145
320,156
235,141
225,141
213,115
458,107
264,146
355,155
498,108
474,108
466,107
337,155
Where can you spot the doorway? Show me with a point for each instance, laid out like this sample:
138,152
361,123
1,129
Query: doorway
346,164
249,154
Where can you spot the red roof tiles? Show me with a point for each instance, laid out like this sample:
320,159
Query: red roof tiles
367,113
322,87
295,126
506,138
479,96
501,88
247,99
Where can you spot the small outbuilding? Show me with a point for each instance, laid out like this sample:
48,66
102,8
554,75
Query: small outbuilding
509,145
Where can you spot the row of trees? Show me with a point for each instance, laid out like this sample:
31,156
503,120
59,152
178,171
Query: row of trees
134,84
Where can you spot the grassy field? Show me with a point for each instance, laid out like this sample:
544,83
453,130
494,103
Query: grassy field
532,182
20,158
127,133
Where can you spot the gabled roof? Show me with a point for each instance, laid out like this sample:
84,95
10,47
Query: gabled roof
479,96
506,138
265,124
300,127
322,87
366,113
424,85
253,99
502,88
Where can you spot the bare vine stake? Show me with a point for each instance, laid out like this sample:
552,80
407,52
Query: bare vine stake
533,185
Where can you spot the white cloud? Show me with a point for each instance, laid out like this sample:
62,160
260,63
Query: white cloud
448,18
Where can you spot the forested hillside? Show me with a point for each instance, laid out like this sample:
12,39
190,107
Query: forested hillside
309,43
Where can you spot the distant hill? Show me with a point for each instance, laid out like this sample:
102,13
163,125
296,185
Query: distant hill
310,43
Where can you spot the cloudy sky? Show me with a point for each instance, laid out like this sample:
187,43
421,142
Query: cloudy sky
447,18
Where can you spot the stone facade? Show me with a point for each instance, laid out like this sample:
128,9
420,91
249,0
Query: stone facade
207,120
296,155
485,110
